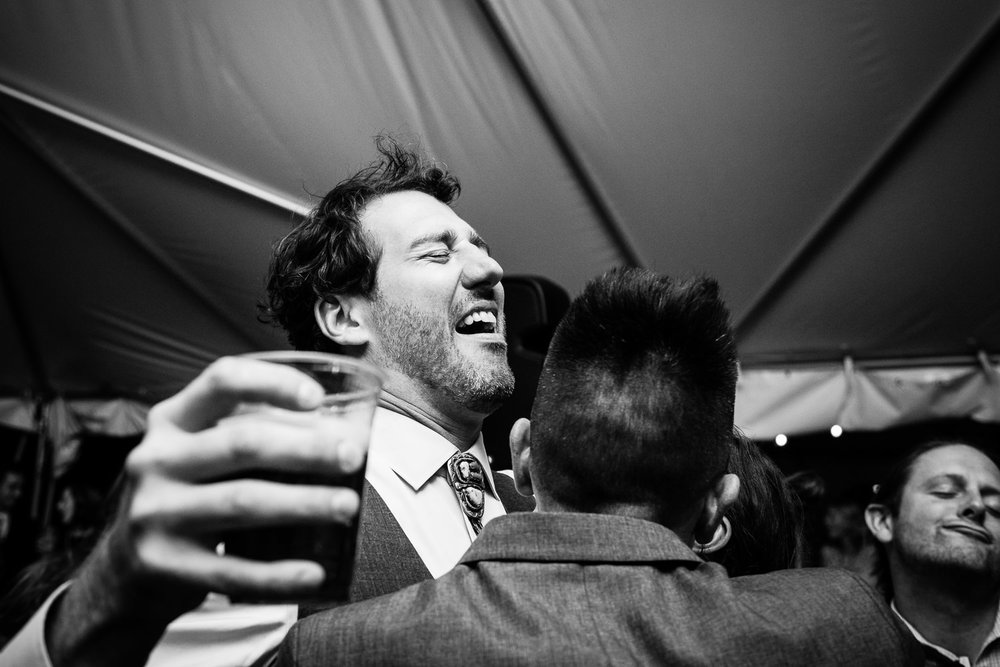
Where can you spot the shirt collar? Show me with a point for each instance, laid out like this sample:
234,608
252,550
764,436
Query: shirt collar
572,537
415,452
993,636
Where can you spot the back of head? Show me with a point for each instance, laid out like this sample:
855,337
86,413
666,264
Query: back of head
329,253
635,401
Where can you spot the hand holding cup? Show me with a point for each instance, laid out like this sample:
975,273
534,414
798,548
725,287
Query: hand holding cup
201,472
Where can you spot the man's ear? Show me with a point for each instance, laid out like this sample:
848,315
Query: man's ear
719,499
520,456
343,319
879,521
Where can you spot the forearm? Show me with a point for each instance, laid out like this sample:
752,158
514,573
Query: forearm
103,620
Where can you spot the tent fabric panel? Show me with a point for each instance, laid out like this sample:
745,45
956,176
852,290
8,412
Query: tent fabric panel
768,402
310,95
65,418
800,401
756,120
721,137
102,274
911,272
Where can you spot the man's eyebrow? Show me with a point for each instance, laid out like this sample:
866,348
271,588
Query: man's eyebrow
448,238
954,478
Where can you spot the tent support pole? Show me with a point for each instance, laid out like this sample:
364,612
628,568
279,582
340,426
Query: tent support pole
577,166
155,151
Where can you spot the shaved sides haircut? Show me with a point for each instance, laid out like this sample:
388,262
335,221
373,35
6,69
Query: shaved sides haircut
635,402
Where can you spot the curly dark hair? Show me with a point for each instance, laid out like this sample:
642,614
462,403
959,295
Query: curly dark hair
329,253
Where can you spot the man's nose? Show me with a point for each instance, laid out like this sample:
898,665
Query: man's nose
481,269
973,507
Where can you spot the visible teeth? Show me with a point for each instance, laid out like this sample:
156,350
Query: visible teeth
479,316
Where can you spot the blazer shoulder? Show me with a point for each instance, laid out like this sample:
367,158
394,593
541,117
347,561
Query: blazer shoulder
831,606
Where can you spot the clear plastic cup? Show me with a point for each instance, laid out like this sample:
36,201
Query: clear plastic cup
351,388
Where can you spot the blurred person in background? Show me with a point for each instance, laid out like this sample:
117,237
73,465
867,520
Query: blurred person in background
762,529
810,489
848,543
80,512
14,548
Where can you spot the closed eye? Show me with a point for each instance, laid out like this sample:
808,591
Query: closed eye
437,255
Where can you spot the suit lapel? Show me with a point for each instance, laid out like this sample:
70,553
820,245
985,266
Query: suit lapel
385,561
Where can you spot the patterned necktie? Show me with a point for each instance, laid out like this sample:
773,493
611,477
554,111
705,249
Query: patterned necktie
466,476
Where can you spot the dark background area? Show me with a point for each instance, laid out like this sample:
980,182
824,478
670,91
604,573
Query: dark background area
852,463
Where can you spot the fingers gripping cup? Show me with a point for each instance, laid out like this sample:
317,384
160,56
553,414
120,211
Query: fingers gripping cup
351,388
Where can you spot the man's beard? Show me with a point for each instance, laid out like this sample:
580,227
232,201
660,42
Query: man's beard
423,348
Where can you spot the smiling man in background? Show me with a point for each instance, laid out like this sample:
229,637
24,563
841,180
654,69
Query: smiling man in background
937,518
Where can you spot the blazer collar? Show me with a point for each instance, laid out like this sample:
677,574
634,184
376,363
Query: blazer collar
571,537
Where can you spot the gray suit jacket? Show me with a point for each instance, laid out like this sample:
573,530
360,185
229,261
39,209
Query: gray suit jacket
560,588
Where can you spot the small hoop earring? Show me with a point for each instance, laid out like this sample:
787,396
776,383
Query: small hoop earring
719,538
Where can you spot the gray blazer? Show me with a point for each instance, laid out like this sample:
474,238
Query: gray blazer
560,588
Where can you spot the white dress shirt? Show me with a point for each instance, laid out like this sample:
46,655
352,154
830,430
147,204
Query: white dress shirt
989,655
403,463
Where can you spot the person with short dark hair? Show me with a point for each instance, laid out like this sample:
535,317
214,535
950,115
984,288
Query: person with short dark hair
936,517
627,454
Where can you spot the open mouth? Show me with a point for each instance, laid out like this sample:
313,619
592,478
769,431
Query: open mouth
477,322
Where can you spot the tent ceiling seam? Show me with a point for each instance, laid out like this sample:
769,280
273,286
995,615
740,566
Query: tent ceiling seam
838,213
134,234
570,155
157,152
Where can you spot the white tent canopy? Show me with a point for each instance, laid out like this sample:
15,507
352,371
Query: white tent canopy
835,165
